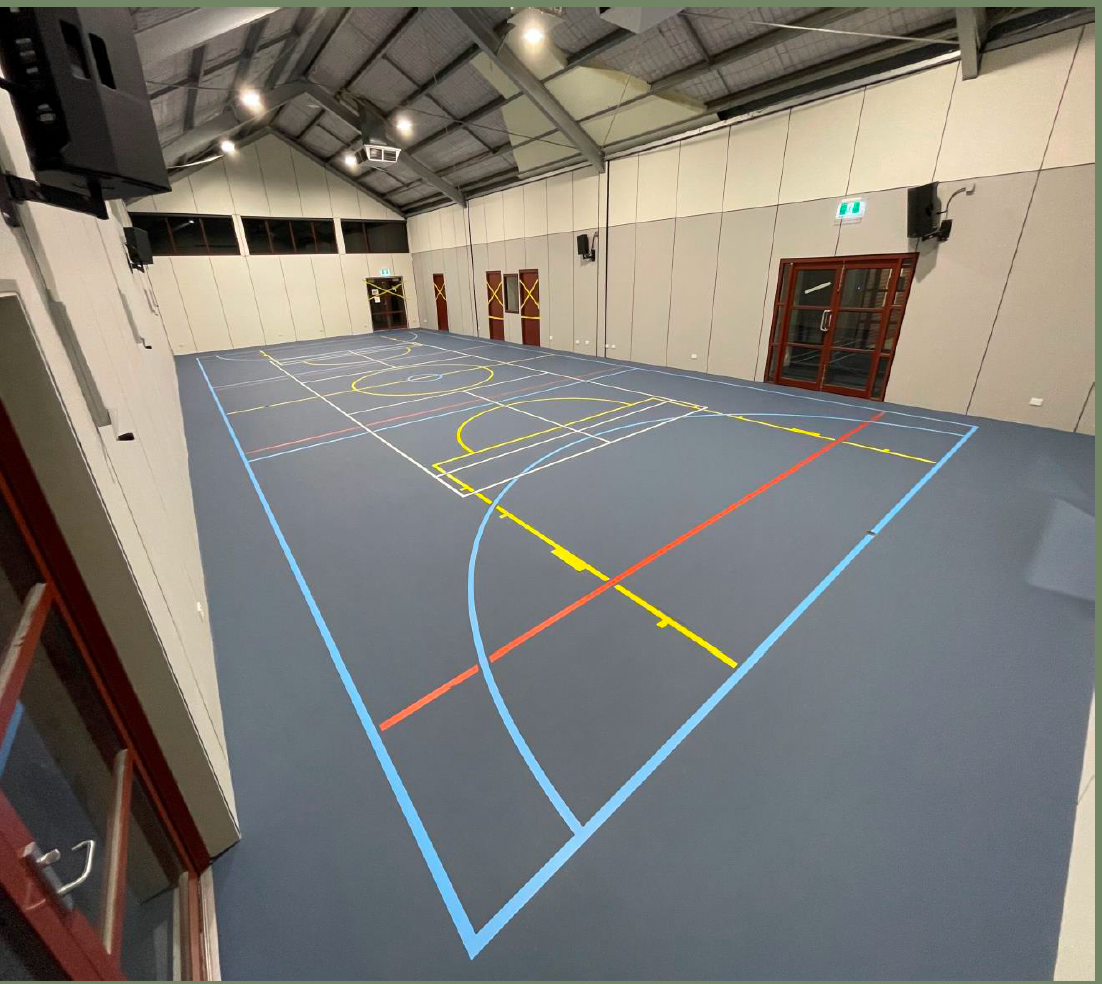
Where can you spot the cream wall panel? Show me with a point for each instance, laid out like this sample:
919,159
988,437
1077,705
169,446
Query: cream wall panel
448,238
512,202
1043,342
162,279
803,229
313,189
700,173
378,262
330,291
235,289
514,260
559,326
462,229
956,293
211,189
271,299
623,190
755,161
901,126
695,255
450,268
1086,419
199,293
495,218
585,195
180,199
403,267
476,213
535,208
658,184
465,299
302,293
479,266
745,247
279,177
343,199
560,203
620,250
653,281
882,230
354,273
420,275
820,148
1072,140
247,182
585,305
999,122
432,223
373,210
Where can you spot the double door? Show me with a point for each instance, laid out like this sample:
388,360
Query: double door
836,322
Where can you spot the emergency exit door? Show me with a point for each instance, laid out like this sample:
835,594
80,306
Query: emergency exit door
495,305
530,307
836,322
440,290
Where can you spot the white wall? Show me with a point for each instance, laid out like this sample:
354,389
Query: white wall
225,302
696,230
124,507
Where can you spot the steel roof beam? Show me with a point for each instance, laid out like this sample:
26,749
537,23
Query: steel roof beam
521,76
192,29
971,34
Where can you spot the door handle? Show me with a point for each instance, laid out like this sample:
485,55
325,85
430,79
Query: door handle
824,321
43,861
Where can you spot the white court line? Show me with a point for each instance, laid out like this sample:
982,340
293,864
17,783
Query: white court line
439,479
535,416
435,396
559,461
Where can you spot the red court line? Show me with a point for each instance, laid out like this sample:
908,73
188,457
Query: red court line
612,582
406,416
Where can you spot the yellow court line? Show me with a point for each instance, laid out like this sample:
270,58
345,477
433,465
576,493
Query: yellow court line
620,405
574,562
827,437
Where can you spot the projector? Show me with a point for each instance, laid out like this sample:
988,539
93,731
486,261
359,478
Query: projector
378,155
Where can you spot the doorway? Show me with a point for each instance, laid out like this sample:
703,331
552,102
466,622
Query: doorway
495,305
530,307
99,859
836,322
387,301
441,301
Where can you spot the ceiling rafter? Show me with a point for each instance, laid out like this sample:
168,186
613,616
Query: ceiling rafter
195,75
245,61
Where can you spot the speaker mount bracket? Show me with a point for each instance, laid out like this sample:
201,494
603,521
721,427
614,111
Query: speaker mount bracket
14,189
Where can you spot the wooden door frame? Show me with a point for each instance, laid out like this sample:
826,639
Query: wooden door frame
65,594
529,294
783,305
494,295
441,298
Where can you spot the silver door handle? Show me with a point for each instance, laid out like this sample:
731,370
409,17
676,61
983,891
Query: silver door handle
52,857
83,876
823,326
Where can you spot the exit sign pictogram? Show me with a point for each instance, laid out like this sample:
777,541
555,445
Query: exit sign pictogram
850,210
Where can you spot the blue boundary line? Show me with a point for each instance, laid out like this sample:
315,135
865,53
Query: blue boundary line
409,811
475,941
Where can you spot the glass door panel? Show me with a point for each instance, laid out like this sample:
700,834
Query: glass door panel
808,326
801,363
848,370
814,288
866,287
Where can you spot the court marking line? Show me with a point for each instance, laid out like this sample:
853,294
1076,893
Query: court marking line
501,918
827,437
383,440
677,541
497,404
421,837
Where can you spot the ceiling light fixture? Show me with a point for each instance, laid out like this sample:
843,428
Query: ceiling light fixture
227,147
251,99
349,160
403,124
533,34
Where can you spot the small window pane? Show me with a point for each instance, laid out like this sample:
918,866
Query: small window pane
221,235
355,236
895,316
857,329
279,230
157,229
326,235
256,235
512,293
302,233
814,287
806,327
187,234
881,379
152,947
848,369
866,288
801,363
387,237
772,364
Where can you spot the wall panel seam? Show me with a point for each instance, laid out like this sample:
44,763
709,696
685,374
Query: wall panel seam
852,157
772,243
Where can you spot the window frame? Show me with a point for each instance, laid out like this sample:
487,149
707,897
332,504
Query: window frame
201,218
291,222
511,279
370,229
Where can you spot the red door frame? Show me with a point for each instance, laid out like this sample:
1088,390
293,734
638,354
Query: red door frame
495,305
440,290
901,264
72,941
530,307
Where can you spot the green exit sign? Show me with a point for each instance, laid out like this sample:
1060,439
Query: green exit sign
384,271
850,210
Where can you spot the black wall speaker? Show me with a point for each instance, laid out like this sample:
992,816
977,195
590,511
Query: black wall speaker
79,92
138,247
922,211
583,245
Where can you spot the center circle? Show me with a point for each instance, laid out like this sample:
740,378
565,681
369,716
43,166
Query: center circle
429,377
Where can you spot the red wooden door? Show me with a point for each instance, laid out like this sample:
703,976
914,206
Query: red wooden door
93,830
495,305
530,307
441,301
836,322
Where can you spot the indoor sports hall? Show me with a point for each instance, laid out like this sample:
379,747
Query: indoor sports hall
547,493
